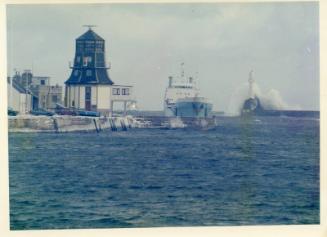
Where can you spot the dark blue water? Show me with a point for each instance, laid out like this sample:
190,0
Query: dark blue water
244,172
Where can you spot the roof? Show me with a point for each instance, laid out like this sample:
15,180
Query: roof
99,77
20,88
90,35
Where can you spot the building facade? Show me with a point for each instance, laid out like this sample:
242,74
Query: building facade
47,95
89,86
19,99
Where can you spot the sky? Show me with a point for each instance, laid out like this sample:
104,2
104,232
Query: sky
146,43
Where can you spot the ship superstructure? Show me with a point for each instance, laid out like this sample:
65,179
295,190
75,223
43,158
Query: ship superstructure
182,99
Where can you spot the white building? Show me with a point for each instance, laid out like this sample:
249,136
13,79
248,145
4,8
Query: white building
18,98
45,96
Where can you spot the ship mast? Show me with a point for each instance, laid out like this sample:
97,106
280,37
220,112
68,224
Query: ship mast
251,82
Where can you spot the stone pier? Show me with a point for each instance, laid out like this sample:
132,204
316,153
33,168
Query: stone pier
69,123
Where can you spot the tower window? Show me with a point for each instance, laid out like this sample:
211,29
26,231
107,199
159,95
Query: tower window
99,46
88,73
79,45
89,45
85,61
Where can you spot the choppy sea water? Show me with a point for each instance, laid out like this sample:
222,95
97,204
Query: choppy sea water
262,171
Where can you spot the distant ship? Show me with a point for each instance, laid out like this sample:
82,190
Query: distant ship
182,99
252,106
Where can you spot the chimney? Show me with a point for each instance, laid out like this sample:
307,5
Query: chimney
170,81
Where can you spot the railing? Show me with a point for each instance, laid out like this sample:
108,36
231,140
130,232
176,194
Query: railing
107,65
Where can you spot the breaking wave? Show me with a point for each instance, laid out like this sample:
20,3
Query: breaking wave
271,99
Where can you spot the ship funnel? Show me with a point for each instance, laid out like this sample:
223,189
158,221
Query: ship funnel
170,81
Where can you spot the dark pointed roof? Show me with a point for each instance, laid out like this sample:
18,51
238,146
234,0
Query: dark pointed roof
99,76
90,35
92,73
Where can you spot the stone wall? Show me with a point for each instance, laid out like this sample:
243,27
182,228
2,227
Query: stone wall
69,123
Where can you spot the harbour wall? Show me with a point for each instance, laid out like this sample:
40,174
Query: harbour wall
289,113
157,121
69,123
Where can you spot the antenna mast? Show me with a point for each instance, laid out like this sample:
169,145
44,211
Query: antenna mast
90,26
196,77
182,69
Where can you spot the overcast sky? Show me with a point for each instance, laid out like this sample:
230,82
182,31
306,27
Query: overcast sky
146,43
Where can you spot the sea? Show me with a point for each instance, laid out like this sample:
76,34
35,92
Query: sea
244,171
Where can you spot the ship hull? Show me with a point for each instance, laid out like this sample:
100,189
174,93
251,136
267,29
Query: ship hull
170,111
193,109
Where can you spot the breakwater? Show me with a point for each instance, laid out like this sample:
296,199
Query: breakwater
70,123
289,113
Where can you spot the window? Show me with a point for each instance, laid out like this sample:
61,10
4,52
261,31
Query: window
76,73
99,43
125,91
42,82
88,73
116,91
73,103
89,43
54,99
99,46
85,61
78,59
89,46
79,45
